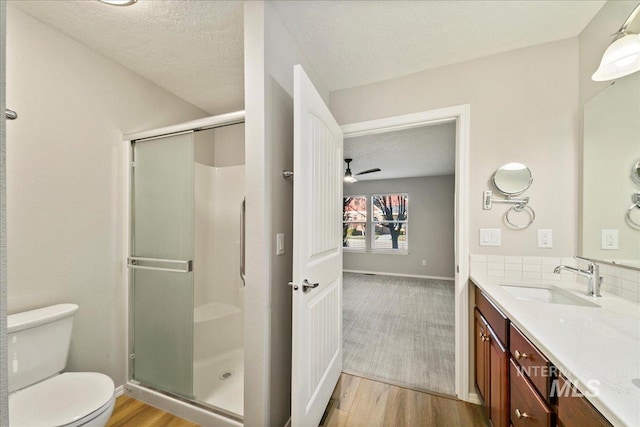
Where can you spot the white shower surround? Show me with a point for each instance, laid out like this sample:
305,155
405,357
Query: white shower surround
218,289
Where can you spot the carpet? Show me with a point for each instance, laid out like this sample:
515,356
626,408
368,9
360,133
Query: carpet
400,330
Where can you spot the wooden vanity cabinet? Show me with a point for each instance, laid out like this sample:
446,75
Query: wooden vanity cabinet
491,362
533,364
481,357
517,382
574,410
527,407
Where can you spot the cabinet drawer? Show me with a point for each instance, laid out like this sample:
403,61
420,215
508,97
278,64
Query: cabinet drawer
498,321
533,363
527,408
576,411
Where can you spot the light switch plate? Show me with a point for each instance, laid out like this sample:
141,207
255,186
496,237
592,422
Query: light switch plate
280,244
490,237
610,239
545,238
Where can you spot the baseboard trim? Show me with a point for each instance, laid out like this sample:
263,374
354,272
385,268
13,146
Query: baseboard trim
119,391
382,273
288,423
474,398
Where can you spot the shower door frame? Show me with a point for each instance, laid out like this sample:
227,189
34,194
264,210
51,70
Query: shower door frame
178,405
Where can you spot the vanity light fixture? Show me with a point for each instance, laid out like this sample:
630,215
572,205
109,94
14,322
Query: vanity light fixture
118,2
622,57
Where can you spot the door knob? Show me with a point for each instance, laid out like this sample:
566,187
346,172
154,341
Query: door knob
306,285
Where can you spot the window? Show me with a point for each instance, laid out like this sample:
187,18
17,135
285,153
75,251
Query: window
354,222
390,222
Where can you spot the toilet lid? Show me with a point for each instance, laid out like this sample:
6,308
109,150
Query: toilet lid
60,400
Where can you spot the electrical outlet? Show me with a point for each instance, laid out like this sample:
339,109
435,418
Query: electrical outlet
545,238
610,240
490,237
424,262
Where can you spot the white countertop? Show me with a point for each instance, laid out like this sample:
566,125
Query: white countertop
596,346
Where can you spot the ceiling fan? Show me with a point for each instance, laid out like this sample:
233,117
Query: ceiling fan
350,177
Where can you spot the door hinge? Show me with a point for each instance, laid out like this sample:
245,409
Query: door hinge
457,269
133,164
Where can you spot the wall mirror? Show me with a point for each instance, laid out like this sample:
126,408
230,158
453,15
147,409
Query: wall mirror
512,179
611,174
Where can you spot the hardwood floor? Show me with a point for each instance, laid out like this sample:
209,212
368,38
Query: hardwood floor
355,402
133,413
361,402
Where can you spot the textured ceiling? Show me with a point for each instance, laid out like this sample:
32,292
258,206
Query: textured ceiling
423,151
194,48
191,48
351,43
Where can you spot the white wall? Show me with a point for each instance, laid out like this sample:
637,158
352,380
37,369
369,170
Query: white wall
4,384
65,177
524,108
430,228
270,53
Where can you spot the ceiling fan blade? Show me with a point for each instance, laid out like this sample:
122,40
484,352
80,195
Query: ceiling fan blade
369,171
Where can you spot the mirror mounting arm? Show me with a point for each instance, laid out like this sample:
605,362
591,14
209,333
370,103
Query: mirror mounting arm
520,204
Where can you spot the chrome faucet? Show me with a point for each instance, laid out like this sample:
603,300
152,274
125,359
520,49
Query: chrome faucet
592,273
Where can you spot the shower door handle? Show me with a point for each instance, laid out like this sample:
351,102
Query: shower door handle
243,206
133,262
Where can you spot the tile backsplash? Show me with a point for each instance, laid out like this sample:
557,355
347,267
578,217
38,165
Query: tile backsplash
618,281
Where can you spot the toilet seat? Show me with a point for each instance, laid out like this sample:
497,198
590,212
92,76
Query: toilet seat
70,399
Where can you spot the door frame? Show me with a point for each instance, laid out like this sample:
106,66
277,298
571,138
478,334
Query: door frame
461,114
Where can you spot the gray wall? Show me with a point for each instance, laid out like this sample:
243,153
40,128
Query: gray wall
430,228
65,179
524,108
270,54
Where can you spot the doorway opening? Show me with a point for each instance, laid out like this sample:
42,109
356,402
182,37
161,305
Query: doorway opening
405,248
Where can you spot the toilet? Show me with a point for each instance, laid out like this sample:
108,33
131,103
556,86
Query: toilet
41,396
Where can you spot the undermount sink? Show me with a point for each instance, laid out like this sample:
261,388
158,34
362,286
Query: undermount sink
549,294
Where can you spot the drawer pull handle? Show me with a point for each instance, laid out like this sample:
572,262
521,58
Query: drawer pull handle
521,414
521,355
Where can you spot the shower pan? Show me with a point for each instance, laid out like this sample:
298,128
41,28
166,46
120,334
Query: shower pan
186,288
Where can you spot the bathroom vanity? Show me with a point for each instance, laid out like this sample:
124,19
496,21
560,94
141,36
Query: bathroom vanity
548,355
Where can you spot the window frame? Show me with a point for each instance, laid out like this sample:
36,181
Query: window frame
366,222
374,221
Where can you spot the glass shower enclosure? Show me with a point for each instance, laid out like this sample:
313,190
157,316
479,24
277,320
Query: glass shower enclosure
185,291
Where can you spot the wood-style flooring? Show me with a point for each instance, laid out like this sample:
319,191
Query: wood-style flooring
361,402
130,412
355,402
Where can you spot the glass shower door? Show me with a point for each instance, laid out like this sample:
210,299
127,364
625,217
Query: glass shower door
162,242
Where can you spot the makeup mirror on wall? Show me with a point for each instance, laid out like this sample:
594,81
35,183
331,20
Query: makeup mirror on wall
611,174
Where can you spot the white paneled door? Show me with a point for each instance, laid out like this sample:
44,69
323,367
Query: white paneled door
317,254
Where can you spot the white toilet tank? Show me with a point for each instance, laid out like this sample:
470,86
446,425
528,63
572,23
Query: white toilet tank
38,343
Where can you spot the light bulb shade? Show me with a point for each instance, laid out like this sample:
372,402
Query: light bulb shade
350,179
118,2
620,59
